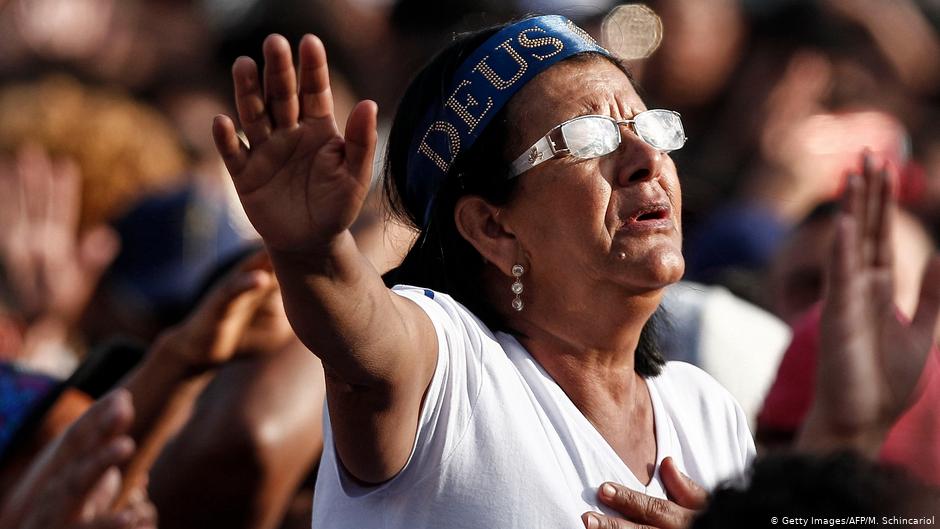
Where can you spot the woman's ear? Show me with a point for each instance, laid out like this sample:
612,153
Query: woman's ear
478,222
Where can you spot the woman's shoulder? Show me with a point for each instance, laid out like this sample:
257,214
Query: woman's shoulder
426,298
450,317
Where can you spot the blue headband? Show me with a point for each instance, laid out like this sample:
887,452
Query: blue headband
481,86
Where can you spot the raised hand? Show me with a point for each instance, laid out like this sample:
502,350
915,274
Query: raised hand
869,361
300,181
74,480
50,268
211,334
302,185
178,364
642,511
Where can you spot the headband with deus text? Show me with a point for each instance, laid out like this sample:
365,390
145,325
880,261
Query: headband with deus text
481,86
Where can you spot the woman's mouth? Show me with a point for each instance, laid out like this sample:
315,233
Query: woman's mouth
649,218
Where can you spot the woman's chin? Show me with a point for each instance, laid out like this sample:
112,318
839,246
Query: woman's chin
658,267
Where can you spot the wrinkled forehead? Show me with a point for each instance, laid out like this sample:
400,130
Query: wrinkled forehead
580,85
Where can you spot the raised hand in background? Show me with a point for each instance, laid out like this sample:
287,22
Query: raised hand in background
49,269
73,482
869,361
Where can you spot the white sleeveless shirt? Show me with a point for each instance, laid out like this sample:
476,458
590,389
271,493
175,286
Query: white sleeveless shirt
500,445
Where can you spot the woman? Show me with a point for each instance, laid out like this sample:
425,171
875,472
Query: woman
511,402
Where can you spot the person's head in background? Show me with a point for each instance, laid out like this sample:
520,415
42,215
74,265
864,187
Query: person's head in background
702,43
123,148
171,242
801,59
837,486
813,89
797,272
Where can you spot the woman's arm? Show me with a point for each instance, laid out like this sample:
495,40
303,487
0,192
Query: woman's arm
303,184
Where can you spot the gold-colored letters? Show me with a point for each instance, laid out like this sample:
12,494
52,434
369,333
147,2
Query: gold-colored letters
493,77
526,42
454,140
463,110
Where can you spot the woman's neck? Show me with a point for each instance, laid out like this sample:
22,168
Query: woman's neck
606,389
586,339
591,354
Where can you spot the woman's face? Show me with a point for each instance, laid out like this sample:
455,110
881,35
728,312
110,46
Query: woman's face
609,220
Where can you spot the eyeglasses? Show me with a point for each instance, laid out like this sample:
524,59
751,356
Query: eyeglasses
593,136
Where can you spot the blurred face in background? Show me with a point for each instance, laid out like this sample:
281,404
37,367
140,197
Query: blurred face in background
702,43
797,274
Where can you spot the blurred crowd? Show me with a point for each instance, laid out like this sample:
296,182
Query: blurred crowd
141,331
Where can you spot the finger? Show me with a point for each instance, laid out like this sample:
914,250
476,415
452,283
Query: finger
97,249
121,520
243,295
593,520
680,487
360,140
316,97
886,211
79,478
873,183
845,256
102,494
231,148
66,195
222,297
35,171
882,243
249,101
146,514
96,427
134,480
280,82
109,417
853,206
925,323
9,196
218,324
643,509
134,499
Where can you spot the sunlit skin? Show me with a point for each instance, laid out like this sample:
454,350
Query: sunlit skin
594,275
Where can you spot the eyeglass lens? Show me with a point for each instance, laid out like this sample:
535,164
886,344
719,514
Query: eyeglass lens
590,137
594,136
661,129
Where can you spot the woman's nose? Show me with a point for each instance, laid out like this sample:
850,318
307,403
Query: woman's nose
637,161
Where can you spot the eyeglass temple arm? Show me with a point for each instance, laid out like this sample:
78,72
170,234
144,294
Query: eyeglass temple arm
544,149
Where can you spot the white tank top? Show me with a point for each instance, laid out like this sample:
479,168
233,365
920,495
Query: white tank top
500,445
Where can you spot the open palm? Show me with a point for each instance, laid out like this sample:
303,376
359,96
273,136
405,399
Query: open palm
870,361
301,182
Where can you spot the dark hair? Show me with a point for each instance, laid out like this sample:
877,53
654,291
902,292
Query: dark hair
441,259
840,485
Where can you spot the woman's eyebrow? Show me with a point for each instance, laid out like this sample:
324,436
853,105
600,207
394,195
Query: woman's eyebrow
590,106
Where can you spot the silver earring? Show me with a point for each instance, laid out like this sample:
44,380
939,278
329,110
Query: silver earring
517,271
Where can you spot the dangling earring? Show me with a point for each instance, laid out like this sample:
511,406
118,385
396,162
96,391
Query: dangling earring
517,271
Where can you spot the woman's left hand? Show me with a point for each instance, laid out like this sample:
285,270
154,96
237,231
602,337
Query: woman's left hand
642,511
